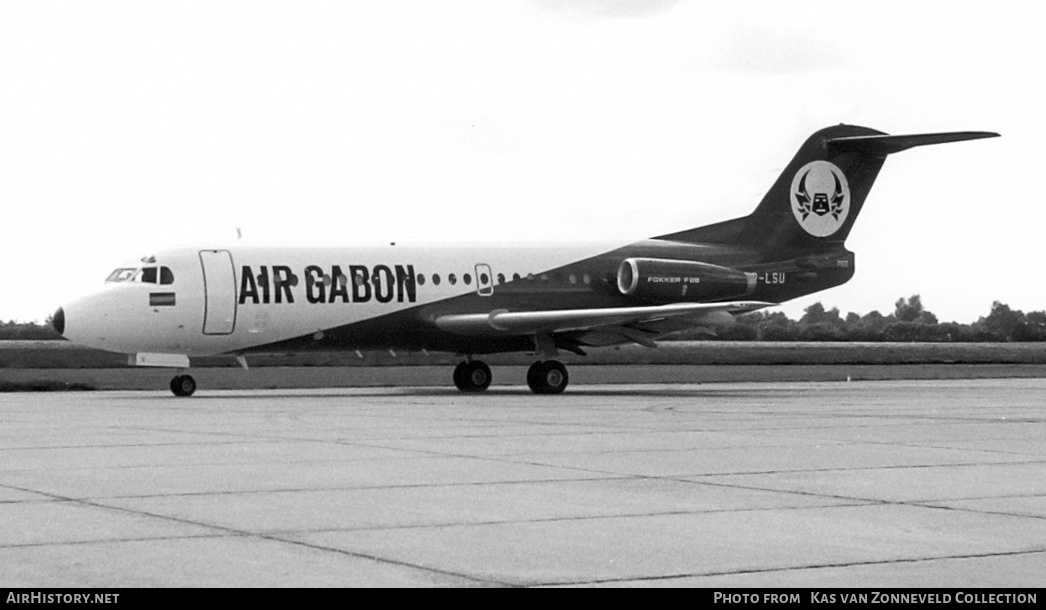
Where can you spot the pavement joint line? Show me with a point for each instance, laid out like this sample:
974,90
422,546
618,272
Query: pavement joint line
1031,457
29,545
899,560
562,519
797,492
865,468
379,559
720,474
847,502
853,469
932,504
240,463
1038,494
131,445
507,459
234,532
317,489
266,438
963,509
277,534
749,416
942,447
82,502
851,502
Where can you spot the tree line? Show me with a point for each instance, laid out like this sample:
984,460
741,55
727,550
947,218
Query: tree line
28,331
910,321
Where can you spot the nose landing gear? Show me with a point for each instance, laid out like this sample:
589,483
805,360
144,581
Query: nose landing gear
183,385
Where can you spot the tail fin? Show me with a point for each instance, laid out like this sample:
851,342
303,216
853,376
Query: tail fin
815,201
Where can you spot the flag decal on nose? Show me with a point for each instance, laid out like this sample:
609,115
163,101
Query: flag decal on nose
161,299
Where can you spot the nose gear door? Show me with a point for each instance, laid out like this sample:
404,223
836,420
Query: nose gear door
219,287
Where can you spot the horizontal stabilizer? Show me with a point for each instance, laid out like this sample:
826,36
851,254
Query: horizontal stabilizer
882,145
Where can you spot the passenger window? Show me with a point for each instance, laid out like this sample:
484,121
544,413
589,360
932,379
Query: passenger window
166,275
453,279
435,279
467,278
421,279
501,278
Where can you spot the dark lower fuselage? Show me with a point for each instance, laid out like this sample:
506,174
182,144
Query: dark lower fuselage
591,283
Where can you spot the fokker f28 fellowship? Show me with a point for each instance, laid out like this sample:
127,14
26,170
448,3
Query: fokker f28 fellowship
241,299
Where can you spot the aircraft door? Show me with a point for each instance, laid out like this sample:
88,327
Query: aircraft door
484,280
219,285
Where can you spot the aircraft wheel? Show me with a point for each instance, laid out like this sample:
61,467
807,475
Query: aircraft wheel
473,376
183,385
476,376
547,377
459,372
534,377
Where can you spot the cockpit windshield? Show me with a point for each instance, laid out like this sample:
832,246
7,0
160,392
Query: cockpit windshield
145,275
121,275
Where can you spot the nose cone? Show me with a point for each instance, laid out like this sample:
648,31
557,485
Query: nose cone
58,321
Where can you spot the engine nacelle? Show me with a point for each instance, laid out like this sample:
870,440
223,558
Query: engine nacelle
658,279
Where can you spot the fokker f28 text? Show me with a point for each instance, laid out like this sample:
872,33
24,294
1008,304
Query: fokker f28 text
242,299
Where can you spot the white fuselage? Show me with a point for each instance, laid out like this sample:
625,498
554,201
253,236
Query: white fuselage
232,297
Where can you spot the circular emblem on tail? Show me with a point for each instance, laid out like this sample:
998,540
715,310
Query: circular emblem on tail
820,198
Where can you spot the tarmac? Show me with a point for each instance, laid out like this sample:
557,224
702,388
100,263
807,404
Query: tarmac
784,484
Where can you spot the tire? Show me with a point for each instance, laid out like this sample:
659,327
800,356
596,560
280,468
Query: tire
459,373
534,377
183,385
475,377
555,378
547,377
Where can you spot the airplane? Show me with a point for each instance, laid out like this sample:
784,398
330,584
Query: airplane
241,299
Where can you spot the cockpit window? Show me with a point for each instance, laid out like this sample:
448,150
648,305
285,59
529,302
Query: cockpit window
121,275
147,275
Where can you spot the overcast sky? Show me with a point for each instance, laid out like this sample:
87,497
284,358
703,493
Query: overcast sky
129,126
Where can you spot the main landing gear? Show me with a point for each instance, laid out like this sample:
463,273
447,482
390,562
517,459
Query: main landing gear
472,376
183,385
548,377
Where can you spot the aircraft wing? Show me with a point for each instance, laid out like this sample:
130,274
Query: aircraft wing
504,322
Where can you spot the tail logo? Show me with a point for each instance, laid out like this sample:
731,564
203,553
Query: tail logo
821,198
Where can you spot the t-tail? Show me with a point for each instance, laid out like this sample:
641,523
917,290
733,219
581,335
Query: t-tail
816,200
